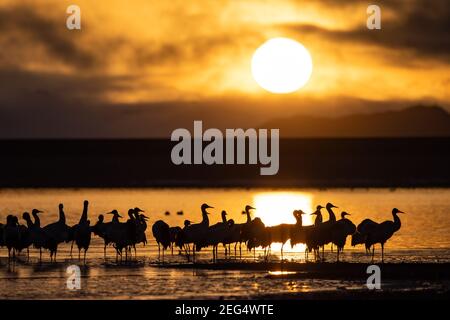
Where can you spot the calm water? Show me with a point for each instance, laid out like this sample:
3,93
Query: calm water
424,237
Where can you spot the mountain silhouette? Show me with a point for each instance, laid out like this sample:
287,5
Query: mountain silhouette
416,121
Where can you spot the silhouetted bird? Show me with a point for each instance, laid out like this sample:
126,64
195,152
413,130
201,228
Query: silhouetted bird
56,233
37,233
173,235
25,234
383,232
82,232
362,232
216,234
195,233
341,229
314,234
180,213
11,235
281,233
161,233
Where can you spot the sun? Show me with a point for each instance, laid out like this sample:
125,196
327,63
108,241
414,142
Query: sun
281,65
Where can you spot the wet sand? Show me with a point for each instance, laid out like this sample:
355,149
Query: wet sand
327,270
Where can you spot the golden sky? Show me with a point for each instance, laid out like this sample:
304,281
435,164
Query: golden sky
145,53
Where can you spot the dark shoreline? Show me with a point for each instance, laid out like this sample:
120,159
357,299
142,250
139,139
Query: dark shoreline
304,163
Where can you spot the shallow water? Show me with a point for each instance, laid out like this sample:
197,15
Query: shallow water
423,237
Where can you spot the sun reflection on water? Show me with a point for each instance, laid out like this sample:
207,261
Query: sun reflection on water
276,207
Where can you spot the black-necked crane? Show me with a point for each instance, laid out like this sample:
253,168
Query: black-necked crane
341,229
161,233
56,233
195,233
11,235
383,232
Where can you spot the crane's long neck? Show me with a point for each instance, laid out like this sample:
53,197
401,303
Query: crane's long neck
205,219
249,219
397,222
37,220
299,222
224,217
318,218
29,222
62,216
84,215
332,215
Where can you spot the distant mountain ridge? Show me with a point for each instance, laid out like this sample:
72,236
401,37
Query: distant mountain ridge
416,121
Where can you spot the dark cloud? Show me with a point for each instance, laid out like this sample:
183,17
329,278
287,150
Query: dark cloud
61,106
29,27
420,26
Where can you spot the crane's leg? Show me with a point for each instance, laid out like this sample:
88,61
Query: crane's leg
382,253
282,252
373,252
240,250
331,247
337,260
104,252
85,250
71,248
159,251
40,254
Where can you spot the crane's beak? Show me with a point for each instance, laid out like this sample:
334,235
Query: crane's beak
333,206
139,210
209,207
400,211
250,207
39,211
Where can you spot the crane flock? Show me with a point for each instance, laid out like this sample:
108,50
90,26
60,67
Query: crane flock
193,237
